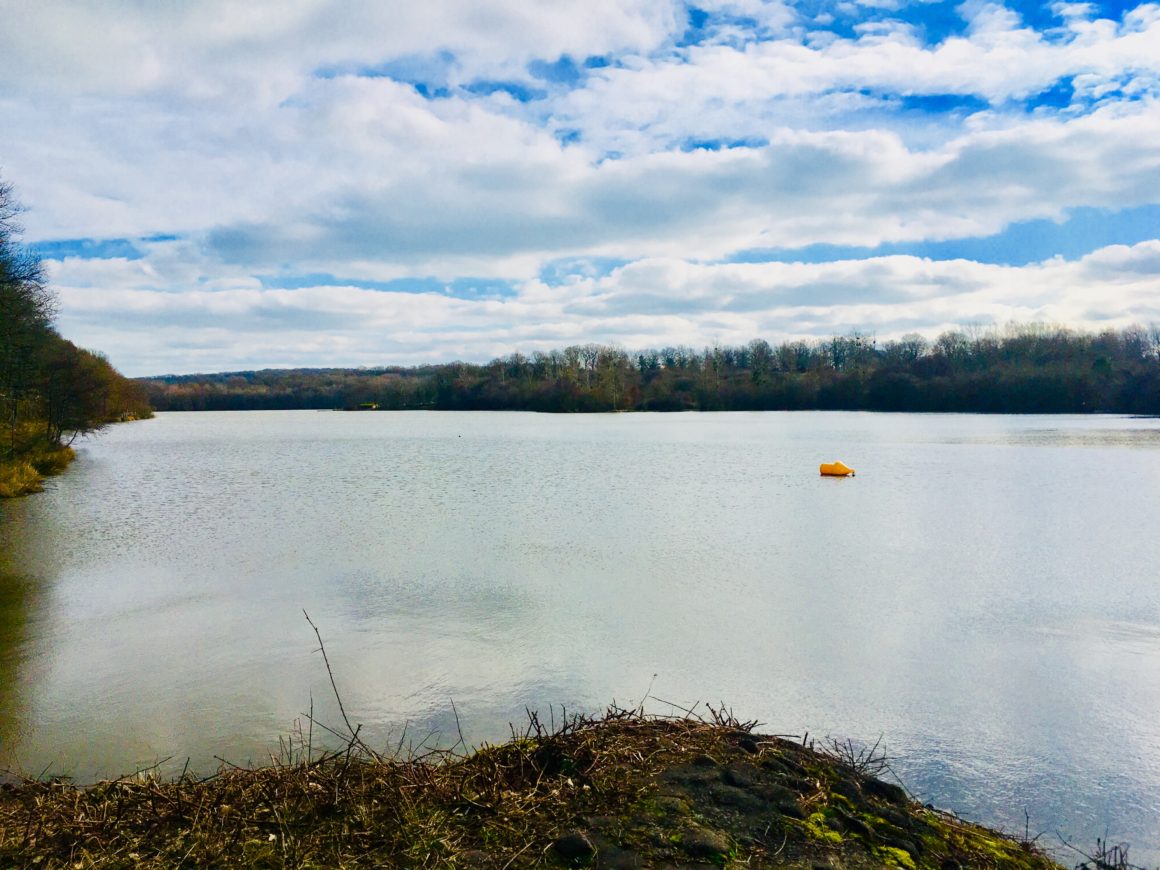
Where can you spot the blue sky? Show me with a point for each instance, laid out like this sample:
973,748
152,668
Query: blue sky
216,186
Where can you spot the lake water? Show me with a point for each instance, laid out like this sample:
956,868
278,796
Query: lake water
985,594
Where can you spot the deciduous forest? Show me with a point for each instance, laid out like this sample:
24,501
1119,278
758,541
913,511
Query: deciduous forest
1028,368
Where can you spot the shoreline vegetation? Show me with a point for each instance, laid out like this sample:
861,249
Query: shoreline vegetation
1023,369
51,391
619,790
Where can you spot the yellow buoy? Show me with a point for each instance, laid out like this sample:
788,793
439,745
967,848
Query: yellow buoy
836,469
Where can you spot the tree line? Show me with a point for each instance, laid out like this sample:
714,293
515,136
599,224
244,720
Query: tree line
50,389
1023,368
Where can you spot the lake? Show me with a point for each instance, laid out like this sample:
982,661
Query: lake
984,595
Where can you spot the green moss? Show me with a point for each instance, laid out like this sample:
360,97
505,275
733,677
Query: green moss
892,857
982,846
837,797
817,827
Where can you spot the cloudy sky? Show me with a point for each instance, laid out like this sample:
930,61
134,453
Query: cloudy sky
218,185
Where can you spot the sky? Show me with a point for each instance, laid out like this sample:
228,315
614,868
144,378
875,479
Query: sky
219,186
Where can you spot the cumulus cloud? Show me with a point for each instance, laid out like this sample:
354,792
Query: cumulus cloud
208,50
652,302
749,90
534,201
328,147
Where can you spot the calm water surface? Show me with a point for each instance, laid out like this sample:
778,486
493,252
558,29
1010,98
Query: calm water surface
985,594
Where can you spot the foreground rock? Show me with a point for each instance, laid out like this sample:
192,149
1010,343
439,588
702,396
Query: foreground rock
620,791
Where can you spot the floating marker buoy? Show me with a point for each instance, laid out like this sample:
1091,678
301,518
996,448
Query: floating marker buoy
836,469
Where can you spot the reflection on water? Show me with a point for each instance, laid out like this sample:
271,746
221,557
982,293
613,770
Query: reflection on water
1138,638
983,594
1147,438
15,604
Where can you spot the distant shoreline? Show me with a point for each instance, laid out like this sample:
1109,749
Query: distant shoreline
1027,370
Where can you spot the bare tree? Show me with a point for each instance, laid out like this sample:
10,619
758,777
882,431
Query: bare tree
27,308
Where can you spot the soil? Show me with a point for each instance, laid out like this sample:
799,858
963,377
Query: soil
758,801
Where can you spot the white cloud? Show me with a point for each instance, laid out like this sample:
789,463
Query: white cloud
259,50
444,189
242,130
803,188
725,90
648,303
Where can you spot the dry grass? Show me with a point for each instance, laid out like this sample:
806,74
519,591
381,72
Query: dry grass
35,459
52,459
633,784
18,478
620,787
355,808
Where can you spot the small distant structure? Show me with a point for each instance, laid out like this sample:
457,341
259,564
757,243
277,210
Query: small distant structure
367,406
836,469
